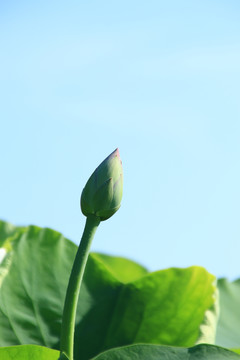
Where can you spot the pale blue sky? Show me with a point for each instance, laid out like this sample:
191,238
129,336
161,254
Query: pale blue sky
161,81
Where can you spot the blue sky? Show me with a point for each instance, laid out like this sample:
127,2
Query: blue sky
160,80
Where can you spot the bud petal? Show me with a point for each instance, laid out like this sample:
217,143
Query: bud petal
102,193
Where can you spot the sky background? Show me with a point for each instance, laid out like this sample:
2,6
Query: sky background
158,79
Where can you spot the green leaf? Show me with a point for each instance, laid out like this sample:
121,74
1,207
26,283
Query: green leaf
228,330
34,279
7,230
164,307
123,269
28,352
167,307
157,352
236,350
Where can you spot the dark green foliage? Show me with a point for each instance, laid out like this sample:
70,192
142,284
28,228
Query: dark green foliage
120,303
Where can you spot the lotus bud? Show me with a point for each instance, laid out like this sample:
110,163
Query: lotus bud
102,193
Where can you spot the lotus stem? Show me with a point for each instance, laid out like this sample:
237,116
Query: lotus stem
74,285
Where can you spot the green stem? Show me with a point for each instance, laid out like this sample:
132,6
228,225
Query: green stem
74,284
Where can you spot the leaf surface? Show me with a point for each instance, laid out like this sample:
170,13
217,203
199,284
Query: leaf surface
164,307
6,230
34,277
123,269
228,329
158,352
115,308
28,352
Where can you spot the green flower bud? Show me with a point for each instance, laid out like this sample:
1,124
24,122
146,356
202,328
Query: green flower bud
102,193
